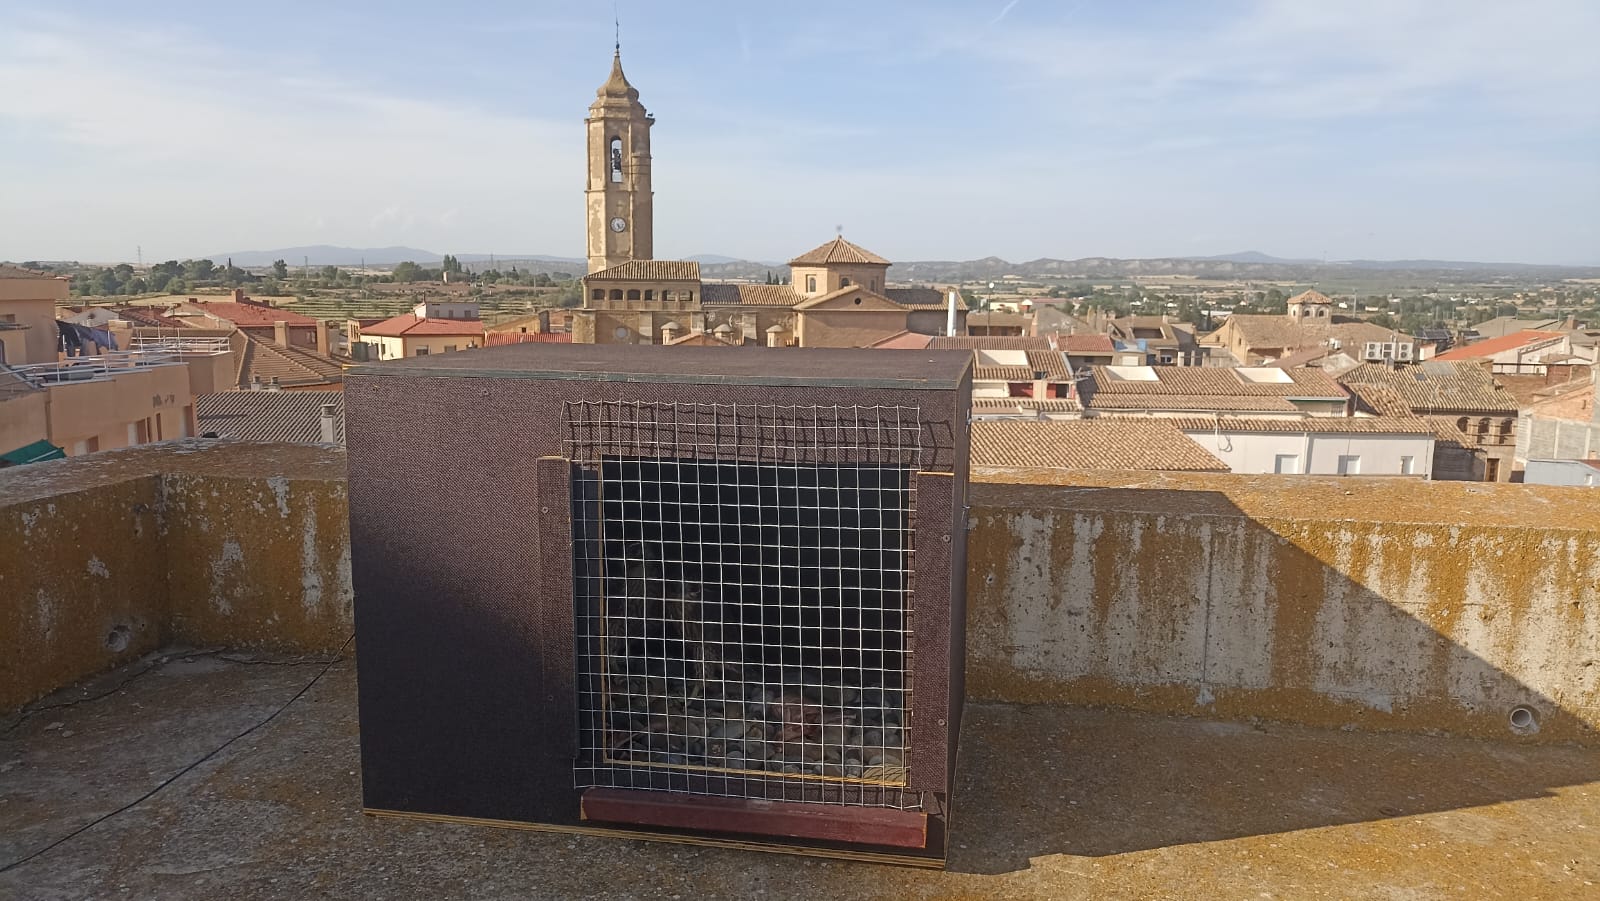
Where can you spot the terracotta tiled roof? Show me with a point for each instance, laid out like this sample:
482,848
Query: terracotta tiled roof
1086,344
649,271
249,315
1438,387
1492,346
1312,296
1375,425
148,316
989,372
1136,444
750,295
291,366
921,298
1179,403
838,251
288,416
903,341
1025,405
988,342
9,271
410,325
1281,333
1051,363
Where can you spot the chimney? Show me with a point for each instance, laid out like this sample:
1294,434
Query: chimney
275,386
238,295
775,336
328,434
670,331
950,316
280,333
255,382
1571,324
323,341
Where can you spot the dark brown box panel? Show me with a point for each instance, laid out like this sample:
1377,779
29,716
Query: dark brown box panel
467,596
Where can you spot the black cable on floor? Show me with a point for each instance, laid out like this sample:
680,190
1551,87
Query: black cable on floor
338,656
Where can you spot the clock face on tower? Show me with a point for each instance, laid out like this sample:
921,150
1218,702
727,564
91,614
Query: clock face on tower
619,224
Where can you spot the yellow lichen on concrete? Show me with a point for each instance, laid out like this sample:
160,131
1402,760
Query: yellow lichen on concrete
81,586
112,555
1181,600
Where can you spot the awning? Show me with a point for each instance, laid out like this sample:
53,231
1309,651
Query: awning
32,453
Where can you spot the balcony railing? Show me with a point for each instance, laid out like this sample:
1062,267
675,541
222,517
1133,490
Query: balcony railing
97,368
179,344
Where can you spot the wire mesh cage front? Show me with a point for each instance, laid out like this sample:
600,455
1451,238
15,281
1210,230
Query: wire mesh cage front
744,609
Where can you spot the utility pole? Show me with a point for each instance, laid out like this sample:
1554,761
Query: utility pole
138,254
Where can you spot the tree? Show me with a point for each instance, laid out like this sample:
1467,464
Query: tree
199,270
159,280
280,269
408,272
330,273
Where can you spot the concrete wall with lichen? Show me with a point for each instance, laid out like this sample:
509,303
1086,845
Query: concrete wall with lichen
109,556
1333,602
1375,604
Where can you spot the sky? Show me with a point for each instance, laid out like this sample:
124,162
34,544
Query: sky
1362,129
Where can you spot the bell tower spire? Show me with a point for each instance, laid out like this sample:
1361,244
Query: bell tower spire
619,195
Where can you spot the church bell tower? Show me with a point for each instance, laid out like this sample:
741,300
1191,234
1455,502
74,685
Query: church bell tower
619,195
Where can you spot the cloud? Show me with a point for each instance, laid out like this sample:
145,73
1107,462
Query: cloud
219,139
1004,11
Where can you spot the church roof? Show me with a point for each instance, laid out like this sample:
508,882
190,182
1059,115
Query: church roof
649,271
1312,296
617,85
838,251
750,295
875,301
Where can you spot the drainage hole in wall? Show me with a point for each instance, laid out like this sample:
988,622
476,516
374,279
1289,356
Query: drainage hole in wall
117,639
1524,720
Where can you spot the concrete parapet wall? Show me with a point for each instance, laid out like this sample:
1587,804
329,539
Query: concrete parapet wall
109,556
1333,602
1366,603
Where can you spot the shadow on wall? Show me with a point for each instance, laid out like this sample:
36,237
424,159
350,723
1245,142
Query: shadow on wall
1179,602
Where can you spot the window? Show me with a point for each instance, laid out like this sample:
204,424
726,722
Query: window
633,293
1322,311
598,294
811,284
874,284
688,295
449,348
649,294
1349,465
844,283
1286,464
616,160
616,293
422,351
1408,466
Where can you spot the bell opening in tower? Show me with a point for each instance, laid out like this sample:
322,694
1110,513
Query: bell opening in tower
616,160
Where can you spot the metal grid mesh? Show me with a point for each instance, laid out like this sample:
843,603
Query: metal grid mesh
744,609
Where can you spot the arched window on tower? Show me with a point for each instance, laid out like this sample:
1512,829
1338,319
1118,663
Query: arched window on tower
633,293
616,160
844,282
811,284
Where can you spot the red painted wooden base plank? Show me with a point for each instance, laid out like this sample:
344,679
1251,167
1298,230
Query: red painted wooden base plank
856,825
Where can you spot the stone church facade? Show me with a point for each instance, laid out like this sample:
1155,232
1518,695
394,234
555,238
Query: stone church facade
837,296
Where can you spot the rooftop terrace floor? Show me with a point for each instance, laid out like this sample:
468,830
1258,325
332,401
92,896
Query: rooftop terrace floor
1053,803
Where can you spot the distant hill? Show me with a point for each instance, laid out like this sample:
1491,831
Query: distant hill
1248,264
330,255
1252,256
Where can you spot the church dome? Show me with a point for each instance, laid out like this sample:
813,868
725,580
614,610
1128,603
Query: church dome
617,85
